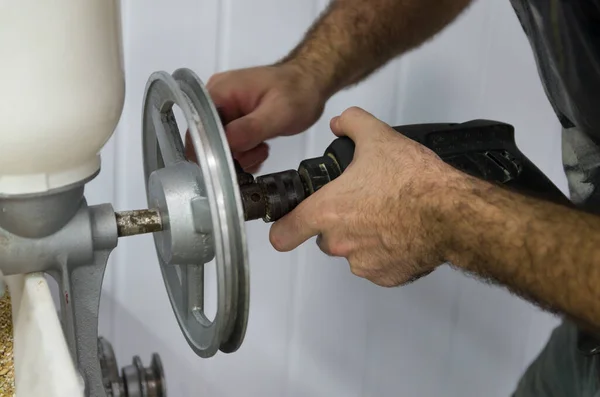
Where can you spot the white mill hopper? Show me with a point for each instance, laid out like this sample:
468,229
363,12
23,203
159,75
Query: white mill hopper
61,96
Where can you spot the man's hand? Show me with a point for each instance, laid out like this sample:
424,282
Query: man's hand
380,213
347,43
398,212
260,103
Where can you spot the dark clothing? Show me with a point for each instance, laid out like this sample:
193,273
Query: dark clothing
565,38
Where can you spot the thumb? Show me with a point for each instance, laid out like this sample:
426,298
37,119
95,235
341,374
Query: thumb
357,124
247,132
297,226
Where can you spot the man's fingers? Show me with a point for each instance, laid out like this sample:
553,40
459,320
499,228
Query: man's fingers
189,148
255,169
245,131
250,161
249,131
296,227
226,103
357,124
254,157
228,113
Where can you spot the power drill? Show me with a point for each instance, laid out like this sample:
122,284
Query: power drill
482,148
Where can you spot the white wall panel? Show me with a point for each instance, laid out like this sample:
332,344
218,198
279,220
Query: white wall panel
315,329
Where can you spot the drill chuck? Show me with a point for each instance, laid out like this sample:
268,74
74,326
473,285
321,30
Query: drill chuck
272,196
317,172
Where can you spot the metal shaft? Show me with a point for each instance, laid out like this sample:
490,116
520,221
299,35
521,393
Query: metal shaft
131,223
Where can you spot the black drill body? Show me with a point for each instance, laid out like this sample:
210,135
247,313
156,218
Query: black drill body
482,148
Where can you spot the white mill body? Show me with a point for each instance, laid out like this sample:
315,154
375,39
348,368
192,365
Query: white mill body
61,90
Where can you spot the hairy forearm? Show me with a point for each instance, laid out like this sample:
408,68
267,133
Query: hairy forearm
353,38
545,252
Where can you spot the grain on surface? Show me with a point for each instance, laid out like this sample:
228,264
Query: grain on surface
7,374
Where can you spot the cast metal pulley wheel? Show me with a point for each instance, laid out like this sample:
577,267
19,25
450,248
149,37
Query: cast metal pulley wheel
201,211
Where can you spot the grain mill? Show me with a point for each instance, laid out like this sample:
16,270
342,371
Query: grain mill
62,96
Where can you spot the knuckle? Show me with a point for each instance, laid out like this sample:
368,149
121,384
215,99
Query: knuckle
359,271
350,114
358,267
219,76
339,249
352,111
333,246
212,81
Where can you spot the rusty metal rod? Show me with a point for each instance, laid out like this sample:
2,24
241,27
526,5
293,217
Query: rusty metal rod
131,223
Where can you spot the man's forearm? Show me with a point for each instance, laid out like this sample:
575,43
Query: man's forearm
545,252
353,38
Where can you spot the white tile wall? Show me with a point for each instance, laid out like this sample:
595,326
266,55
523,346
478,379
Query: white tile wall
316,330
